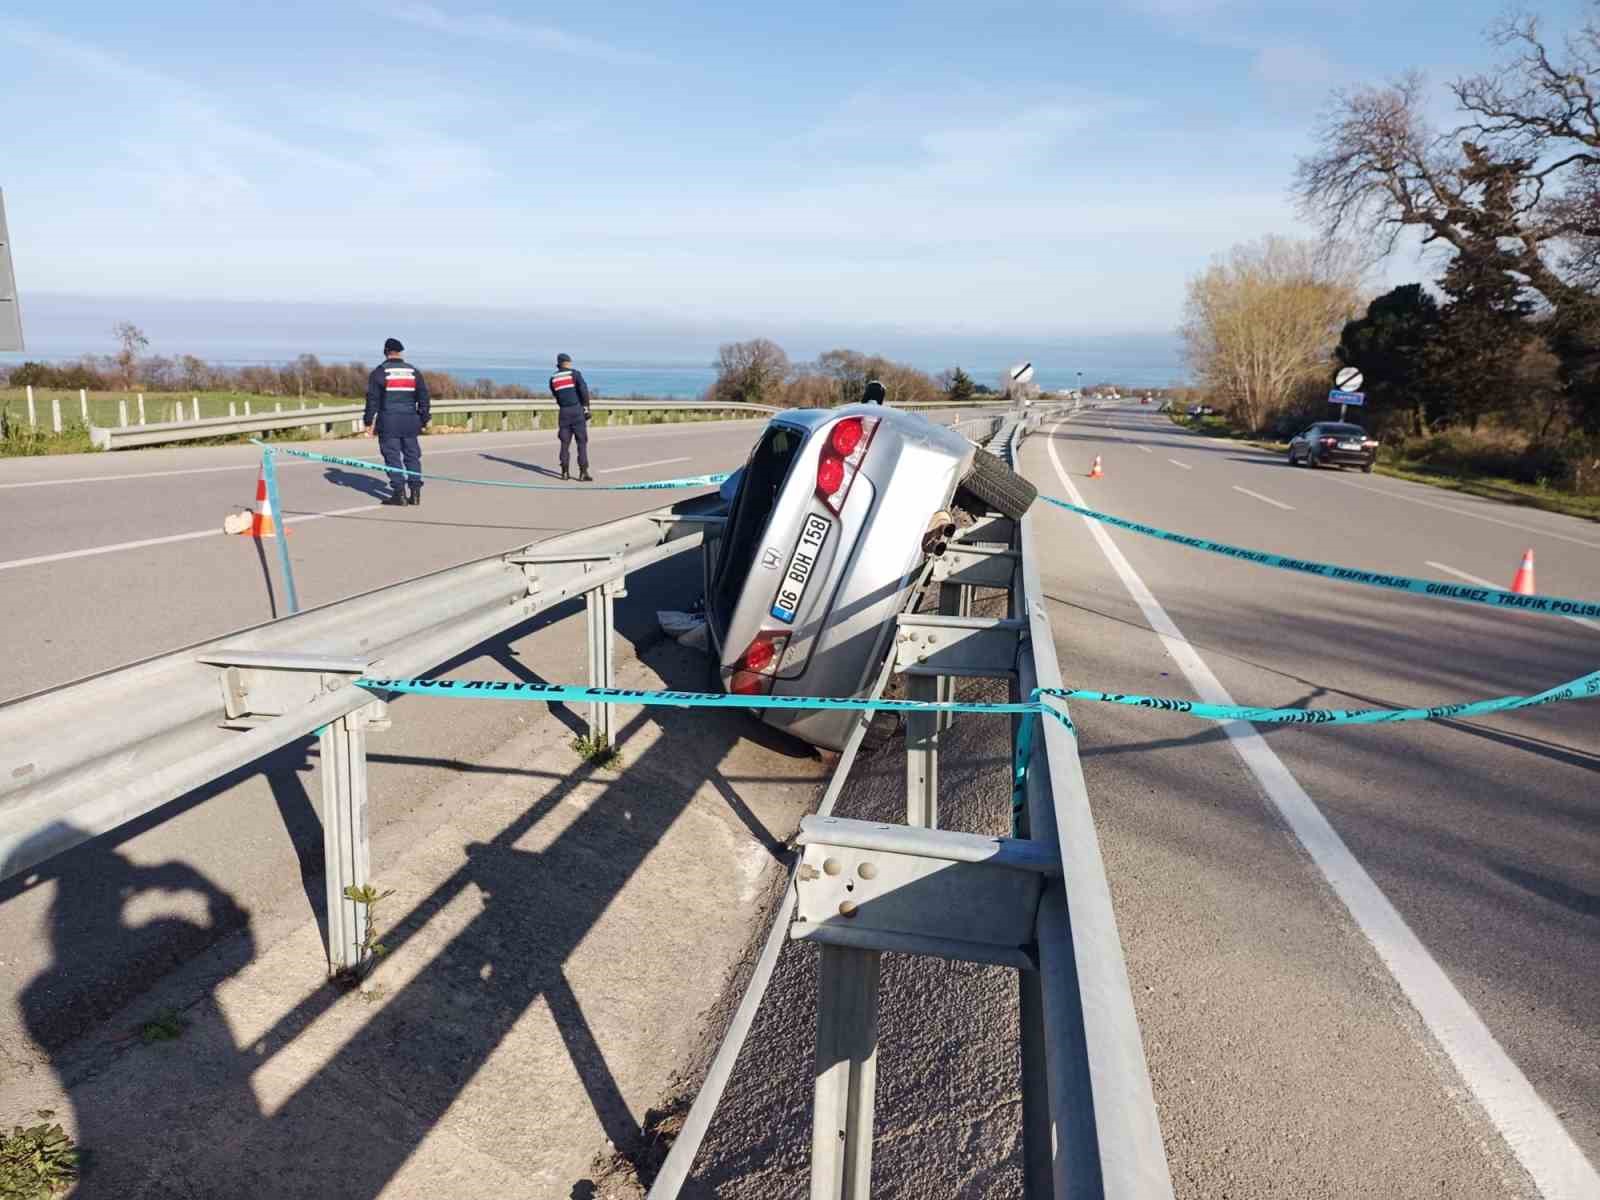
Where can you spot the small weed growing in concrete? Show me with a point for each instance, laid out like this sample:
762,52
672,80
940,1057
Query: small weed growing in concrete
371,949
167,1026
38,1162
597,751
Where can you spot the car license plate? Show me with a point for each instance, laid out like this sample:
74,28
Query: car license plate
793,588
1349,445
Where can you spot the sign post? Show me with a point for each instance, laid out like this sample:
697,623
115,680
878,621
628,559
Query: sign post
1347,390
1019,386
10,310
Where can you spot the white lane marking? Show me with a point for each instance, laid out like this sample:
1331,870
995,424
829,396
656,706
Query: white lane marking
1462,512
1264,499
91,551
135,475
1176,463
1147,449
660,462
1494,587
1532,1131
290,461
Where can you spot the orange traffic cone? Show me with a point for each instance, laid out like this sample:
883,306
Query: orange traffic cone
1095,472
261,522
1522,582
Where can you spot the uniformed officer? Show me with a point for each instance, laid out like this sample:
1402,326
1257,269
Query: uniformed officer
572,414
397,405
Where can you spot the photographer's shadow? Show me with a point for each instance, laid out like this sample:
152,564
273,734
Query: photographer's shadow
129,1123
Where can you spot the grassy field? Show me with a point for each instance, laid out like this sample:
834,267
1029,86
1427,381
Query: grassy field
1393,462
105,410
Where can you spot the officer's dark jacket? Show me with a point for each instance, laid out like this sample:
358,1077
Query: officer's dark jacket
569,389
397,388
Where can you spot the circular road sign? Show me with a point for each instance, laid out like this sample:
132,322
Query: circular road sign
1021,373
1348,380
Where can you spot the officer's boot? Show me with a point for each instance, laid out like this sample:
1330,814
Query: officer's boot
565,474
584,476
395,500
415,497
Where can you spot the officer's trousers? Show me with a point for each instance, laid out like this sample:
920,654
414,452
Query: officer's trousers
570,424
397,439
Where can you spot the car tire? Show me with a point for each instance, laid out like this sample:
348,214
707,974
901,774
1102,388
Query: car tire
1294,460
993,485
1366,468
1311,460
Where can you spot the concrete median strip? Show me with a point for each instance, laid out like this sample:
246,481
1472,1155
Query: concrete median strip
1532,1131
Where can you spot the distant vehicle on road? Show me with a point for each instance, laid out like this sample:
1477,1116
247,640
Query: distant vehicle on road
1201,410
1336,444
836,511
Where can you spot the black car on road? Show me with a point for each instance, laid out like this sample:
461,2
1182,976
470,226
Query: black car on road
1334,444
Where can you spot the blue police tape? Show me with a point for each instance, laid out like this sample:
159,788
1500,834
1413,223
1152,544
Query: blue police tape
1585,687
559,692
1557,605
366,464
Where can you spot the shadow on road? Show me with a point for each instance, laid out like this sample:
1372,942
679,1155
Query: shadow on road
358,481
475,957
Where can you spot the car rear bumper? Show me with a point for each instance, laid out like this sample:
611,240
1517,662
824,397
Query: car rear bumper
1343,458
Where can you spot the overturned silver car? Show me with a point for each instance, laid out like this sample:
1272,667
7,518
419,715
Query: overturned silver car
835,512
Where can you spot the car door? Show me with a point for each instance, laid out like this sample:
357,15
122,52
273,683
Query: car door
1298,444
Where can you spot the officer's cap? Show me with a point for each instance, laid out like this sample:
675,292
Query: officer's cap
392,346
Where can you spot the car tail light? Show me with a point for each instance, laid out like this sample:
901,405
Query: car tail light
1330,441
754,672
841,458
1370,444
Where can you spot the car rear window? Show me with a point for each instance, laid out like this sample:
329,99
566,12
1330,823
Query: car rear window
1344,431
758,491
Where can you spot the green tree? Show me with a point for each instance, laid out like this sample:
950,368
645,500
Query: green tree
1393,345
960,387
1484,334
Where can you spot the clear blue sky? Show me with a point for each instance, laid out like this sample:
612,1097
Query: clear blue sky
1043,169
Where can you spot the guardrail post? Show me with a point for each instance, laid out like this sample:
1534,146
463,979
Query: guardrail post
847,1073
601,605
955,600
141,410
33,421
83,404
55,414
232,412
343,746
922,753
196,402
122,412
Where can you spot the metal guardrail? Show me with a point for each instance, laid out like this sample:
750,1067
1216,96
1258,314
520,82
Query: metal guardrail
159,433
84,758
126,437
81,759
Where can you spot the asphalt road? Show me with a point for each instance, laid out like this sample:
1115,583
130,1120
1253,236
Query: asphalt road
1301,1041
1295,1037
107,559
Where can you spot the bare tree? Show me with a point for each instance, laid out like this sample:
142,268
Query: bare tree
1517,183
1262,321
750,372
132,340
